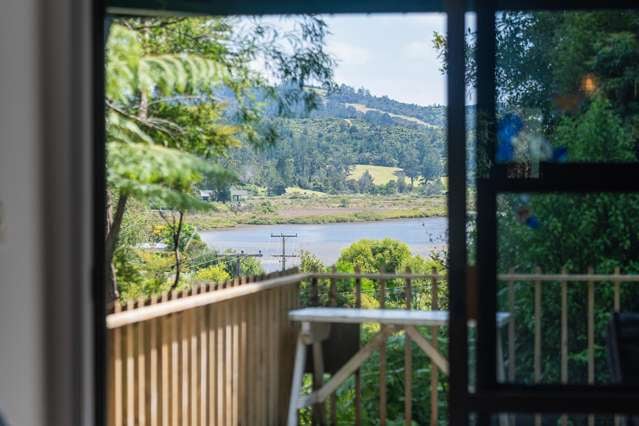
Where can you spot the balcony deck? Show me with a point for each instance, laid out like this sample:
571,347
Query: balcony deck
222,354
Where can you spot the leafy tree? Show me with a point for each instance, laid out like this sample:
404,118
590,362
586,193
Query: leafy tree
249,266
211,274
401,184
180,93
310,263
373,256
411,164
365,182
431,165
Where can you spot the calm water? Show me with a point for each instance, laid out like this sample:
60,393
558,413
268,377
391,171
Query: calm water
326,241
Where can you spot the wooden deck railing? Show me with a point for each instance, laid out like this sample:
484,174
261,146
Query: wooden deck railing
222,354
215,355
564,280
322,289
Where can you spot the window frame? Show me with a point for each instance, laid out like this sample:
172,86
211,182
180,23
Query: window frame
490,397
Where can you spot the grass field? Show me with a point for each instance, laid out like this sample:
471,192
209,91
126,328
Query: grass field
296,190
381,174
363,108
310,209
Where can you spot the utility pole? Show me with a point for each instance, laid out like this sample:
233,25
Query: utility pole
238,259
284,255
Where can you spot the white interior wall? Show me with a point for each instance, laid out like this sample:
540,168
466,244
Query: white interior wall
21,290
46,349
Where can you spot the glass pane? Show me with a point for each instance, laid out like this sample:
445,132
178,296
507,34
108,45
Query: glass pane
566,263
567,87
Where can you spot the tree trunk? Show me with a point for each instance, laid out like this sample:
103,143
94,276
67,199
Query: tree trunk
177,232
114,224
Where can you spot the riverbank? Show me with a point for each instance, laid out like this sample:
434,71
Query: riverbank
327,209
424,236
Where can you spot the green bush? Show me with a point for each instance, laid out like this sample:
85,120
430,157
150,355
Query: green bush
211,274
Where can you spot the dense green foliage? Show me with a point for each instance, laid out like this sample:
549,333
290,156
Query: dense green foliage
573,78
318,151
180,93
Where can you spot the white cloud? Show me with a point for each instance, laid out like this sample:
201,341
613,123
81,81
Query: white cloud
418,50
349,54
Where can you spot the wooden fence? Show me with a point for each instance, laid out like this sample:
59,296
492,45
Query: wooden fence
216,355
564,279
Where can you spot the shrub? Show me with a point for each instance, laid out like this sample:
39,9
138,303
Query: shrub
211,274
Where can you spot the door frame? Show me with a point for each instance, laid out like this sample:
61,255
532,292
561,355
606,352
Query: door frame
490,397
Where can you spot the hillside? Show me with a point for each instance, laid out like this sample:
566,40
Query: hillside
433,115
350,131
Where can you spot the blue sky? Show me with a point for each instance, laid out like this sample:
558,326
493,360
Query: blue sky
389,55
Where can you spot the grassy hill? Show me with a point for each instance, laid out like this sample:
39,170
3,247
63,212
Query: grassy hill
381,174
364,109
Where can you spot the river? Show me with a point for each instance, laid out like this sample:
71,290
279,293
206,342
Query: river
327,240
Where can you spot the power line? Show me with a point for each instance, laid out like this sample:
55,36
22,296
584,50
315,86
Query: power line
228,256
283,256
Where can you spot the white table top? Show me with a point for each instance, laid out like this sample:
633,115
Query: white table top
380,316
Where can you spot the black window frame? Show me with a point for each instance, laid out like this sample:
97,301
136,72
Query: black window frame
490,397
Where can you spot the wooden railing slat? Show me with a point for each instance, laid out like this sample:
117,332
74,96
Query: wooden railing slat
130,372
118,397
164,369
382,359
195,376
317,409
333,302
204,367
358,378
434,372
235,359
252,359
175,339
219,369
141,371
154,411
408,359
212,362
243,360
184,409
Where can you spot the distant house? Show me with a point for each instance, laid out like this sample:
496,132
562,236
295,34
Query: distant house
207,195
238,195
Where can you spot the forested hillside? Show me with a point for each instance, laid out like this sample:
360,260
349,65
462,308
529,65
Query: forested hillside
317,151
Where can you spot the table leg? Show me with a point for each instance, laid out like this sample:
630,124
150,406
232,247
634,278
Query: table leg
318,372
298,377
